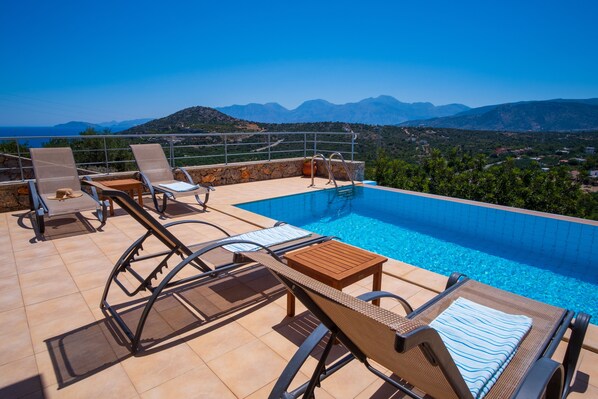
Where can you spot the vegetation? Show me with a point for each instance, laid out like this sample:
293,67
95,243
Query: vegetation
88,154
468,177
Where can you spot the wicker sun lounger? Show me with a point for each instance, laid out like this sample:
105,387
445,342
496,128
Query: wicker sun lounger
158,177
209,259
57,188
415,353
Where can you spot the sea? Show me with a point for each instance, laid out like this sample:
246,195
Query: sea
48,131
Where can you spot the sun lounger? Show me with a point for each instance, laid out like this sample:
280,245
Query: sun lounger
57,188
158,177
471,341
210,259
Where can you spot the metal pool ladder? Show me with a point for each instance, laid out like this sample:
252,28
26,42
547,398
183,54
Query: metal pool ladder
328,165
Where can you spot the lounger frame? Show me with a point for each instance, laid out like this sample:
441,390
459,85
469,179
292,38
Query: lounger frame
189,257
545,376
143,150
62,157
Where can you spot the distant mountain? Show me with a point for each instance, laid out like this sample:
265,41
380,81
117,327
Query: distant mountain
118,126
113,126
382,110
77,125
550,115
195,120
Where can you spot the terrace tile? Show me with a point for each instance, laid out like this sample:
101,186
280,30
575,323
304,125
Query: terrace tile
46,284
15,340
254,359
201,382
10,293
19,378
153,369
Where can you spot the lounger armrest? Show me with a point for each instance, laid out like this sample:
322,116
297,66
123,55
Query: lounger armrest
545,377
36,203
370,296
146,182
94,191
167,225
190,180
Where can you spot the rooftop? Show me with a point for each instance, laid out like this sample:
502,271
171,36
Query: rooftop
55,341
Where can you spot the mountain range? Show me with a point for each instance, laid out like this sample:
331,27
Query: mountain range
382,110
549,115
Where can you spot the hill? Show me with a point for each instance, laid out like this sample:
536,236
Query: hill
195,120
77,125
113,126
382,110
550,115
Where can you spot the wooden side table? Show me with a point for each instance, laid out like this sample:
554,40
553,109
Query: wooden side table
130,186
337,265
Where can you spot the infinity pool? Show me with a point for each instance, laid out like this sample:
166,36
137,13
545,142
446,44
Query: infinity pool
549,258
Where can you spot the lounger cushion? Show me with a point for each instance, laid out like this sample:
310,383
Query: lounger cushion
180,186
266,237
481,341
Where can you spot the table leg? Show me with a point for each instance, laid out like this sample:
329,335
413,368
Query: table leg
140,195
111,206
377,285
290,304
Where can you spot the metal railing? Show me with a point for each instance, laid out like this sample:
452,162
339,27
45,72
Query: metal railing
105,154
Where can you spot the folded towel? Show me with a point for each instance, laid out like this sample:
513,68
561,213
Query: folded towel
266,237
481,341
180,186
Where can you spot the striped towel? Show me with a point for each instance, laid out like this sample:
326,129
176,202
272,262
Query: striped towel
481,341
180,186
266,237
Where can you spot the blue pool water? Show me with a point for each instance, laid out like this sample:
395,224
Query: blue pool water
548,259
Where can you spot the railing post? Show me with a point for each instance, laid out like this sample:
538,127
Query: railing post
20,162
225,149
171,151
315,143
304,145
353,137
105,155
269,141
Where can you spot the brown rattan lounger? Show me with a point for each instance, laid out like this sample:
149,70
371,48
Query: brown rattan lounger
156,174
210,259
414,352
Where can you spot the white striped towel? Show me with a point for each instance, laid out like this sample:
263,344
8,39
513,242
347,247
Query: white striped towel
481,341
266,237
180,186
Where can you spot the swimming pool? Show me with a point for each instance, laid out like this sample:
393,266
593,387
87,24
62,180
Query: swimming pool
546,257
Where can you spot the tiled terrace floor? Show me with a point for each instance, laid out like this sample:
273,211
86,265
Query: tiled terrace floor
55,343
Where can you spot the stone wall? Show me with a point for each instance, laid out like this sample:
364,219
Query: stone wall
9,168
15,196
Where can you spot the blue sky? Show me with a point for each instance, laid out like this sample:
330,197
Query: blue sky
99,61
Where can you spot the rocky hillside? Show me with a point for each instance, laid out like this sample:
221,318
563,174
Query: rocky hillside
551,115
195,120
